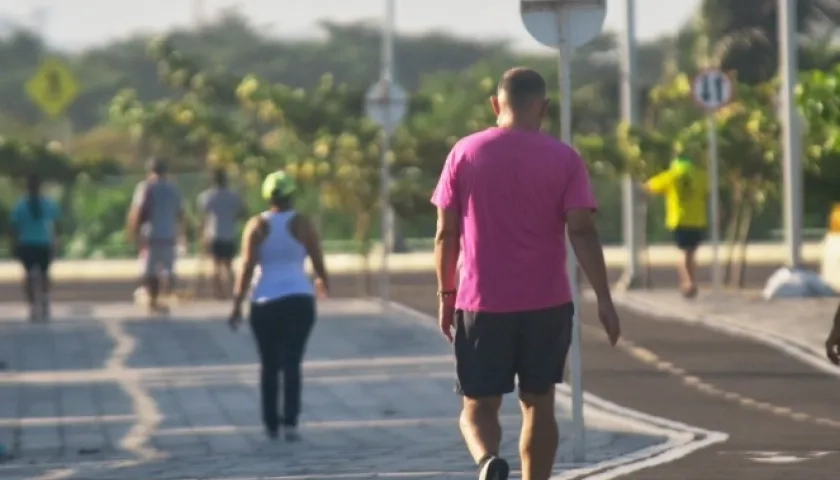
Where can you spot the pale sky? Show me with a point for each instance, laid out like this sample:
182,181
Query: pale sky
72,24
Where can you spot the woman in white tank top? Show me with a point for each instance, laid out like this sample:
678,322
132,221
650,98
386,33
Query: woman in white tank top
275,245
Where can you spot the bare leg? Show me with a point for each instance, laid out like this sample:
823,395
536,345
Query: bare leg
45,293
217,278
29,292
227,267
688,270
480,426
152,283
539,437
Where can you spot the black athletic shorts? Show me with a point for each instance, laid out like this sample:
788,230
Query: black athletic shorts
688,238
223,249
491,349
35,256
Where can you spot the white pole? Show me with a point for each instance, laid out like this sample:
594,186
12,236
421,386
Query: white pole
385,174
792,163
714,202
384,278
198,12
388,41
629,113
578,447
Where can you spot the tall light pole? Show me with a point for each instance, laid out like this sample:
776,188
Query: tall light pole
631,222
198,12
387,75
386,104
791,143
566,25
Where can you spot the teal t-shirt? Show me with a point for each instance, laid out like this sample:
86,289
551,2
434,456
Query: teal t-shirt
31,229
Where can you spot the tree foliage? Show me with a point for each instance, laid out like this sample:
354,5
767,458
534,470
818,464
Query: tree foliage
226,95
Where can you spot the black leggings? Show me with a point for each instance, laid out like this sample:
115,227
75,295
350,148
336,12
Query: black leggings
281,328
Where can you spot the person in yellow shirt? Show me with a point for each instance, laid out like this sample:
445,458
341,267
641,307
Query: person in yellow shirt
685,188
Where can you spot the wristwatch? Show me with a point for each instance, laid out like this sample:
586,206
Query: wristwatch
446,293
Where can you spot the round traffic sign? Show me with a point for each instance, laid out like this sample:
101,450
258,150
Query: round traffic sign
386,103
712,89
552,22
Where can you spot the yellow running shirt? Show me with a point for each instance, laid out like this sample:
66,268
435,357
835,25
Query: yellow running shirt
685,188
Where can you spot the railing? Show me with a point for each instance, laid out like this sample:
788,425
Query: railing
808,234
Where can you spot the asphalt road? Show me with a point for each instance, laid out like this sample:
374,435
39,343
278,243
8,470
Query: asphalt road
767,403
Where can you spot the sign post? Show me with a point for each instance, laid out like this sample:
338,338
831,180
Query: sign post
386,104
565,25
791,140
712,89
633,223
53,88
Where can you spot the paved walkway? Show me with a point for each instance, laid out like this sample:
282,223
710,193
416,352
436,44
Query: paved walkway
107,393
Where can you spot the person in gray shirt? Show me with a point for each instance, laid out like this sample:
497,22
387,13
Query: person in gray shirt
221,209
156,220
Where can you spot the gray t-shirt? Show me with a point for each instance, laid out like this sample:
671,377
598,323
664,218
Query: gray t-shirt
222,207
164,208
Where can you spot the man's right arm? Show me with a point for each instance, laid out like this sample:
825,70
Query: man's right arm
659,183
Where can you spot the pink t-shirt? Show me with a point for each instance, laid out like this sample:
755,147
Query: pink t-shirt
512,189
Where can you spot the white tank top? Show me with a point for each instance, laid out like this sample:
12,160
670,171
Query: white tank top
280,267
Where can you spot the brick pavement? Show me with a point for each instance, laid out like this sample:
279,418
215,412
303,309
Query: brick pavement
105,393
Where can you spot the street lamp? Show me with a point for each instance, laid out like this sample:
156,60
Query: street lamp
386,103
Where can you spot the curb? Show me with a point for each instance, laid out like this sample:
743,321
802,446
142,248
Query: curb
682,439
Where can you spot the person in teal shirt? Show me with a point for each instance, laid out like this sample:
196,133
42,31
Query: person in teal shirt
34,238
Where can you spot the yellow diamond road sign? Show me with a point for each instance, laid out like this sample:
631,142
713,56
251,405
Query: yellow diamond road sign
53,87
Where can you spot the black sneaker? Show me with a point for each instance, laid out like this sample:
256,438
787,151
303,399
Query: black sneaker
493,468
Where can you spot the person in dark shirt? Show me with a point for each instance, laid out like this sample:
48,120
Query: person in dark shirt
832,344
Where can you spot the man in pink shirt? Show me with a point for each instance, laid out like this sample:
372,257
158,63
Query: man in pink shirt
505,198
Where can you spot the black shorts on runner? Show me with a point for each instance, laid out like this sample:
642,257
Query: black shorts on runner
688,238
223,249
34,256
492,349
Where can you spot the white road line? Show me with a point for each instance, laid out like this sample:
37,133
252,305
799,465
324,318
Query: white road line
683,439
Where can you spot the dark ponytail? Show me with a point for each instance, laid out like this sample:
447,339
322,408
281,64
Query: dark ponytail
35,207
33,187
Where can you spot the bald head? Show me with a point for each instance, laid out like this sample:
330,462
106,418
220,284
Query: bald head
520,100
522,87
